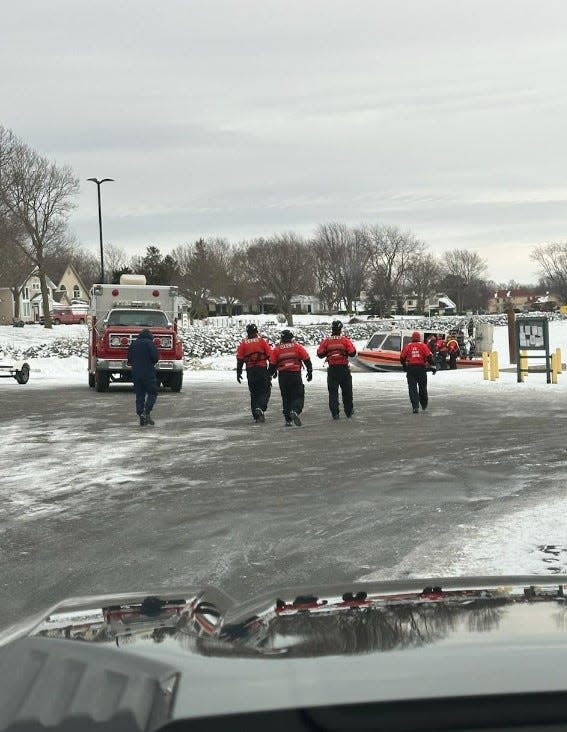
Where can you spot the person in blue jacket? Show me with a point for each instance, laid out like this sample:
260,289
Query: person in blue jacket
142,357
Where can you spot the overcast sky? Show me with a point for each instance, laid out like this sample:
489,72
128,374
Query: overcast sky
245,118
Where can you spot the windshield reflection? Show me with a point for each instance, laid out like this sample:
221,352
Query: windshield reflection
208,624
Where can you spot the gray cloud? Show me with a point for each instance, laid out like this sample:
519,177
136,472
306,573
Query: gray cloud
245,117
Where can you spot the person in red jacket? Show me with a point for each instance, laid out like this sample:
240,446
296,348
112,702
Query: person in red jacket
286,362
336,349
454,352
255,352
442,353
414,358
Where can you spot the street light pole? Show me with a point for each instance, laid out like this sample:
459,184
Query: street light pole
98,185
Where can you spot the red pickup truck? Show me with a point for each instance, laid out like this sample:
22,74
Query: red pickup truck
68,315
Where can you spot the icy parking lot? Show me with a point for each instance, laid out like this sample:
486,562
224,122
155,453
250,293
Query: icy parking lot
93,503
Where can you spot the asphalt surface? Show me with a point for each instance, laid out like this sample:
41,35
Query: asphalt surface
93,503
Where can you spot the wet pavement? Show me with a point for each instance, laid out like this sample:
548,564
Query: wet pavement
93,503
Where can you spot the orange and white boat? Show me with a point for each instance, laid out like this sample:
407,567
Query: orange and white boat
382,352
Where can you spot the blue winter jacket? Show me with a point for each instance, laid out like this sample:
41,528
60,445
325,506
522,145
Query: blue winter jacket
143,355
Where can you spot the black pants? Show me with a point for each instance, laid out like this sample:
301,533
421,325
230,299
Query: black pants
292,391
453,360
146,388
339,376
260,386
417,386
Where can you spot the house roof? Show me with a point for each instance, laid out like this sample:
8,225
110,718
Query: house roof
34,273
70,268
519,292
446,302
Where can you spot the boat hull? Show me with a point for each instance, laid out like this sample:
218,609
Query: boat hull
389,361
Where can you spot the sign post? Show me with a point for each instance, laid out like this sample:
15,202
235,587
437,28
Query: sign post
532,334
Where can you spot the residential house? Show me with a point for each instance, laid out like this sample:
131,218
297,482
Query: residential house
69,289
305,304
522,298
31,303
72,285
438,304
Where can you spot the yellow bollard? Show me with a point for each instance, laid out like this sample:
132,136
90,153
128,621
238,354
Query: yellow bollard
485,365
558,359
523,365
496,365
493,366
554,370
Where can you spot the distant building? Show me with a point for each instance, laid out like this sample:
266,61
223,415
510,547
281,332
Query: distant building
72,285
522,298
438,304
70,288
31,303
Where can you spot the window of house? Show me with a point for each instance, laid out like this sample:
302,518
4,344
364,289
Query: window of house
26,293
76,291
63,288
26,310
35,286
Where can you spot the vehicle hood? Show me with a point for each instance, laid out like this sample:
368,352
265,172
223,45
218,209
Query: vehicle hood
345,644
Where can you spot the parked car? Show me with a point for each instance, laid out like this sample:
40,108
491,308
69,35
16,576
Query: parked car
66,315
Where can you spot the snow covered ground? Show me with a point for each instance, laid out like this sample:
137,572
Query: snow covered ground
528,540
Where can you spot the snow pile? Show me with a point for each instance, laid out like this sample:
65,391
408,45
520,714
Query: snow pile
203,344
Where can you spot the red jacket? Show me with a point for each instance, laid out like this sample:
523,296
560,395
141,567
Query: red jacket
453,346
337,349
254,352
416,353
288,357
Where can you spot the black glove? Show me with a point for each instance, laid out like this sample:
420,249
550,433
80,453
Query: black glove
433,370
405,368
238,377
275,375
309,375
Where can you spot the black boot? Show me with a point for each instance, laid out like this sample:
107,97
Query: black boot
148,418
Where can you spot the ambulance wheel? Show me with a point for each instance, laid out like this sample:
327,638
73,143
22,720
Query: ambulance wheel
23,375
176,381
91,380
102,380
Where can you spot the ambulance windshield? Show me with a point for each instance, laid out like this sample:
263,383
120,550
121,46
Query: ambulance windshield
147,318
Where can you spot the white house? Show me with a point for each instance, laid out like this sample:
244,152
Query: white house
31,306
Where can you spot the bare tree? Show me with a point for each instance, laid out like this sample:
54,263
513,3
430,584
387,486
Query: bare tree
552,265
195,272
391,254
464,278
15,265
87,266
341,258
422,278
228,279
282,266
116,262
38,194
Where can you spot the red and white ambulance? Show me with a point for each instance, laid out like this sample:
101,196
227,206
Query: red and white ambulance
117,314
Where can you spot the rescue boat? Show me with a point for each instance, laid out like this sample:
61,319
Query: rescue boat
382,352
